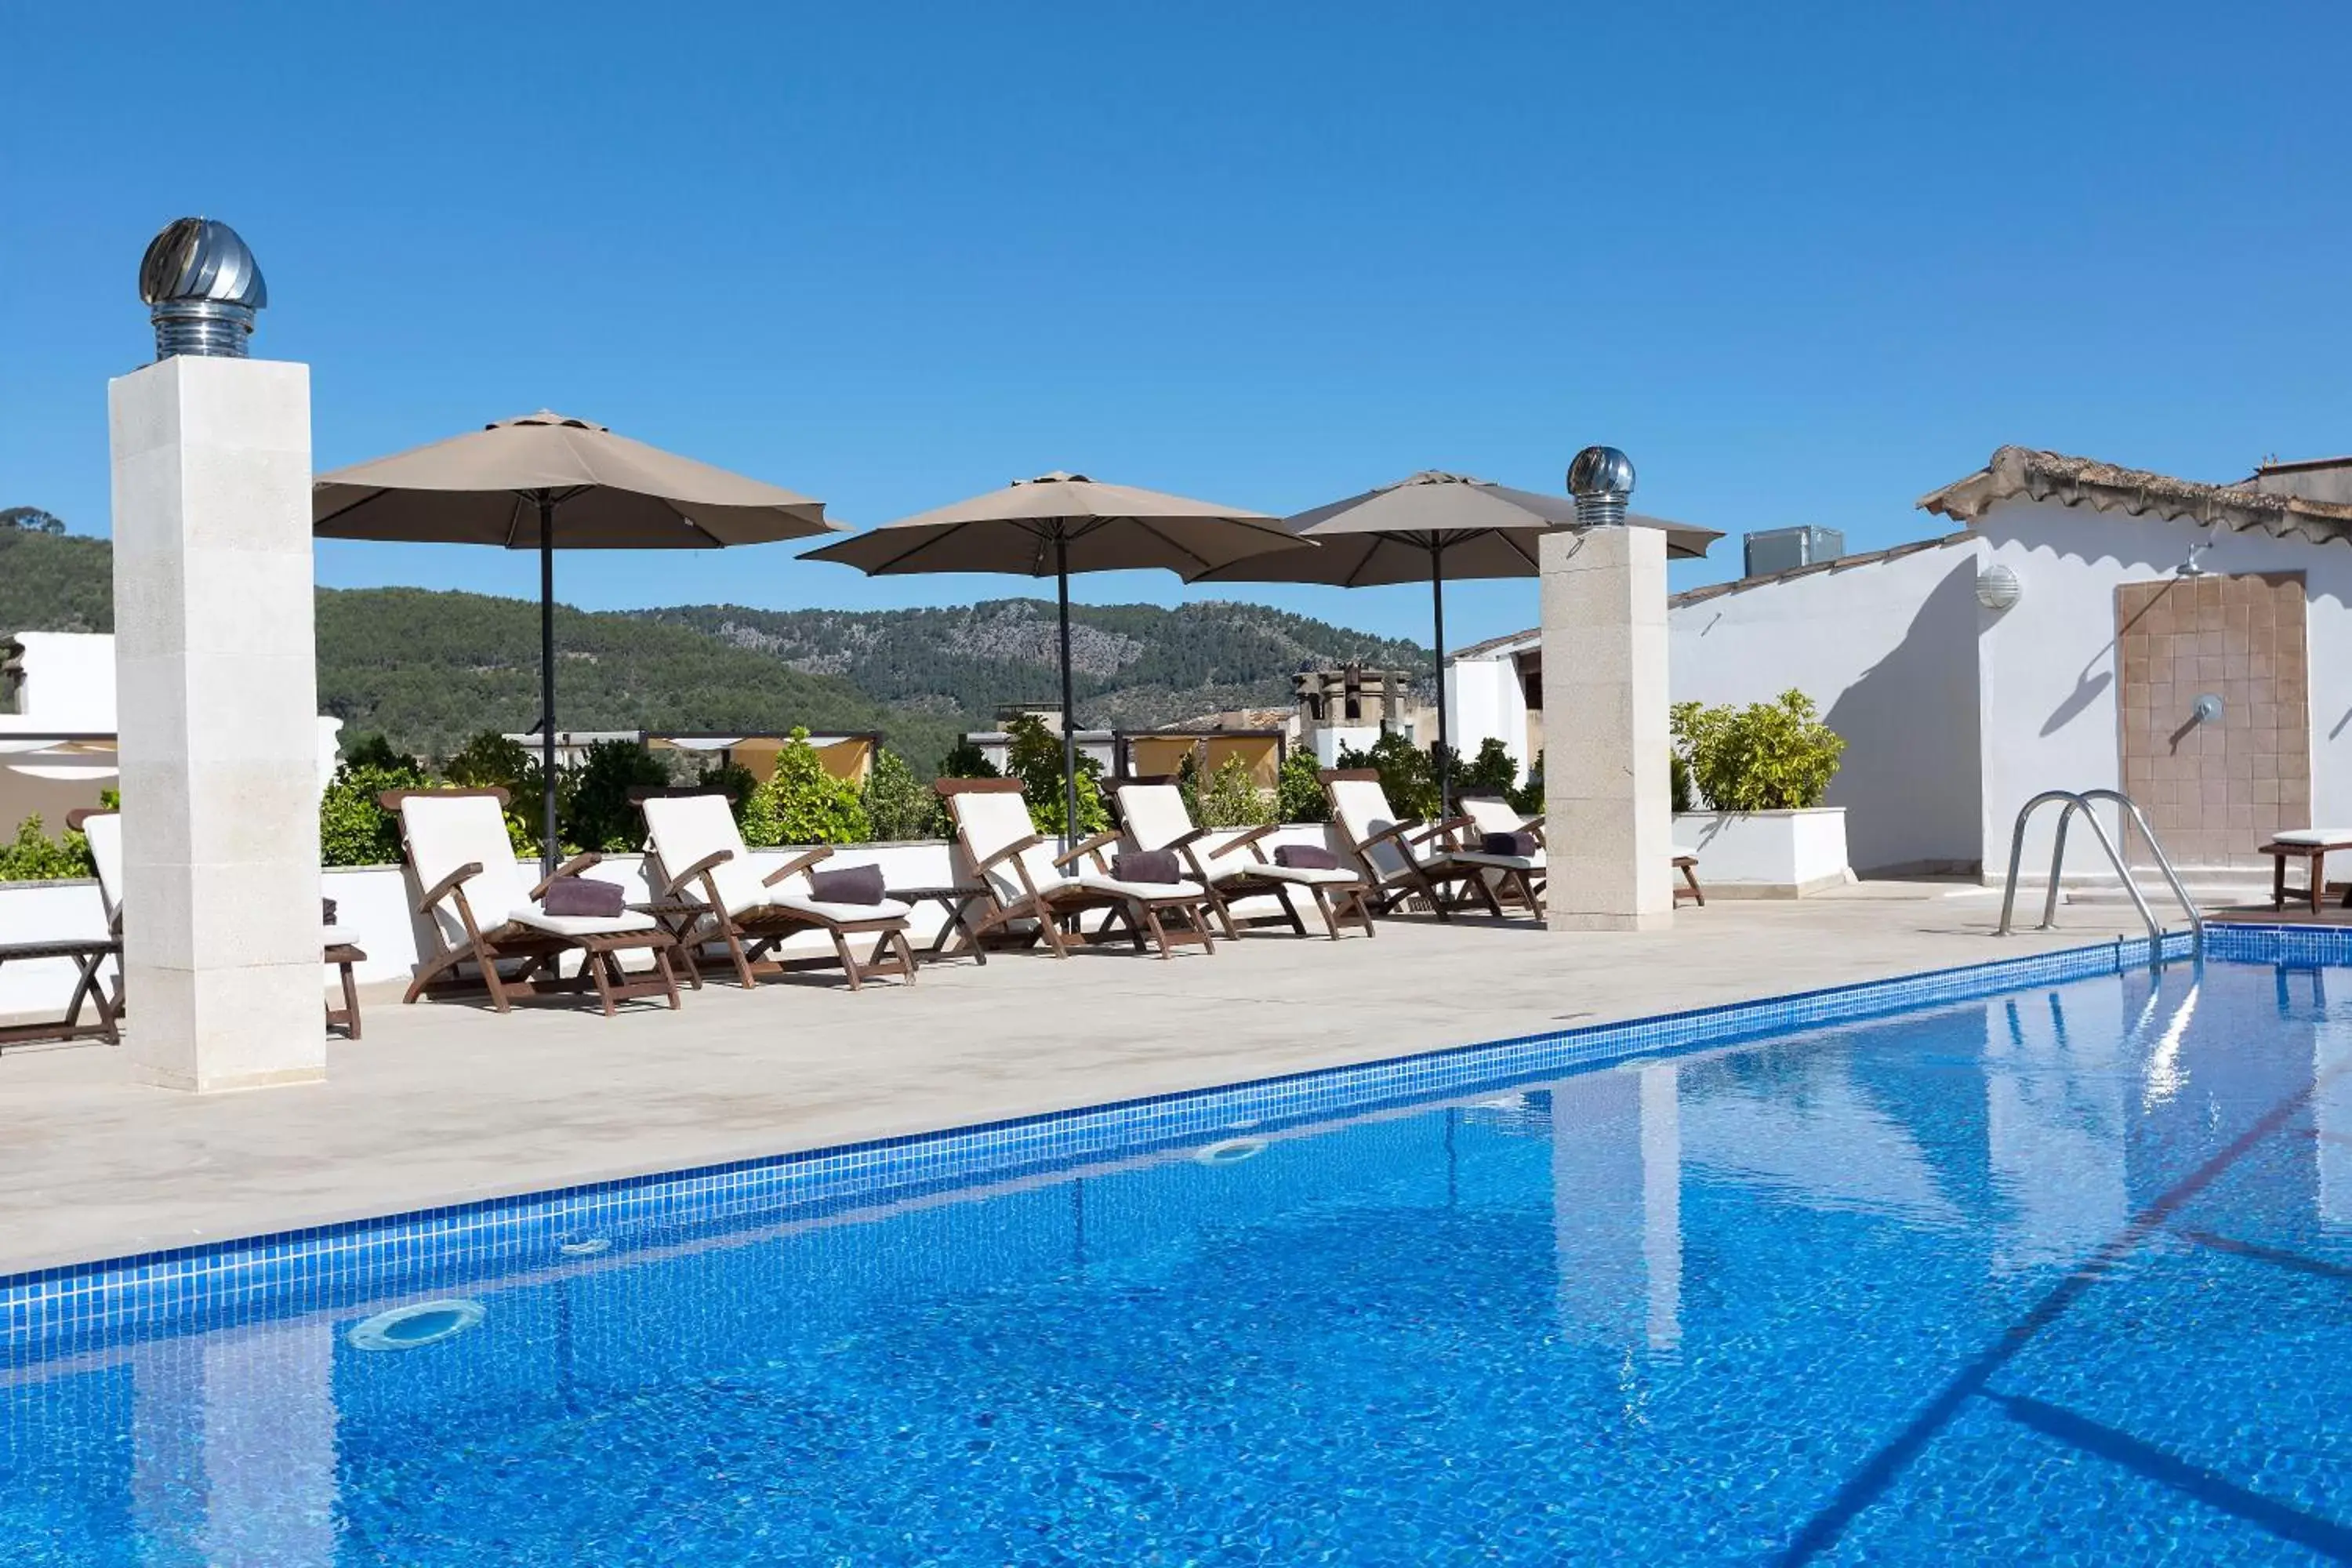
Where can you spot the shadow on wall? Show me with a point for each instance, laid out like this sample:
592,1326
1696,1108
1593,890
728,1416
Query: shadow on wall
1909,781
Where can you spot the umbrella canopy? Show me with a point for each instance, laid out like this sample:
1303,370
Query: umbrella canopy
545,481
1386,535
1058,523
612,493
1430,527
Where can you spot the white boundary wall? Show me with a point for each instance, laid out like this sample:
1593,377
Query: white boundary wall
1886,649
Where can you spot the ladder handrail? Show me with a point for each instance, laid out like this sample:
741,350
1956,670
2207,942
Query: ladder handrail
2080,800
2155,848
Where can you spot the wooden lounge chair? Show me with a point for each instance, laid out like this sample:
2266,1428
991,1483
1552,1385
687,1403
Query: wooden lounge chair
1155,816
1026,881
1519,877
705,862
1524,876
482,913
103,829
1403,859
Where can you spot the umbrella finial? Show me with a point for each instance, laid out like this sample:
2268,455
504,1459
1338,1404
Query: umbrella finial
1602,481
202,286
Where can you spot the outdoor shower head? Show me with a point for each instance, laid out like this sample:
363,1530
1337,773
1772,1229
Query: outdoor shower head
202,286
1602,481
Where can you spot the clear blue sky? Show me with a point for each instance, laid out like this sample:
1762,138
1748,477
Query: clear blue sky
1803,262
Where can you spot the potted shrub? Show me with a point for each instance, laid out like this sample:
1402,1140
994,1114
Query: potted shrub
1757,775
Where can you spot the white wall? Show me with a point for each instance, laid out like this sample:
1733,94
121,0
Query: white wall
1484,698
2047,666
1886,649
69,683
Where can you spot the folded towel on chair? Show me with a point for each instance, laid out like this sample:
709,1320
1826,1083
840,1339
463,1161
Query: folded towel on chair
1306,857
582,896
1146,865
849,885
1521,843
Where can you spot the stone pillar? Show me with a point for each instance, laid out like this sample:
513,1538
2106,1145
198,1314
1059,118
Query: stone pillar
217,691
1608,802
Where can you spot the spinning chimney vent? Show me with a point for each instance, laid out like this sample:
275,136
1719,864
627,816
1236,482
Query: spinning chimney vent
1602,481
202,286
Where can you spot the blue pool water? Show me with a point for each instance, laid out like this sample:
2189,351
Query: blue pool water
2061,1277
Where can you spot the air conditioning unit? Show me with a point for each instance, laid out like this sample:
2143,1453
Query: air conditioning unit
1779,549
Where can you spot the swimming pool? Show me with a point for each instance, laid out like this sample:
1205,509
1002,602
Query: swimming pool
2058,1275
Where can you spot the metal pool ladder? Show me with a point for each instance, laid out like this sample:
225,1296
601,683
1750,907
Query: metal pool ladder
2080,800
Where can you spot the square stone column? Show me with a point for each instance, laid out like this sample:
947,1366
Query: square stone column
1608,801
216,696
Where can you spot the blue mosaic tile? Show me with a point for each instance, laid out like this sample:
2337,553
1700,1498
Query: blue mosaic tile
43,1311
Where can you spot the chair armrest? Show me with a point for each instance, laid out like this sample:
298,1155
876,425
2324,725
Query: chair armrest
1394,830
572,868
1534,825
716,857
1009,851
1244,842
446,884
797,864
1091,847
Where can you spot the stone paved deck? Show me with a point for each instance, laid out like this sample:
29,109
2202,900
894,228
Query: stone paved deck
443,1102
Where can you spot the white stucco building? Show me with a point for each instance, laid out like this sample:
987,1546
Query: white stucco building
58,726
2131,595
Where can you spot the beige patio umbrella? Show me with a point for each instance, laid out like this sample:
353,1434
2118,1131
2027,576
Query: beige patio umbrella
1433,525
1056,524
545,481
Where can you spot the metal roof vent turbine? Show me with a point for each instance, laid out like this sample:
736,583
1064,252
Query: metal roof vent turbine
202,286
1602,481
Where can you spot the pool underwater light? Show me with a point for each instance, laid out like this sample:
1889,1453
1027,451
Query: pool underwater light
413,1327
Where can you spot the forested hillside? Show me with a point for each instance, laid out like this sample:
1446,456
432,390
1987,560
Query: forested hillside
1136,664
428,670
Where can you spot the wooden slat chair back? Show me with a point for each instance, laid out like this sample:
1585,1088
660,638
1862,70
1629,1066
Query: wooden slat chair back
704,862
484,913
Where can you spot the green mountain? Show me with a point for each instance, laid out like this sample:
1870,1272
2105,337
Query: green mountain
1136,665
428,670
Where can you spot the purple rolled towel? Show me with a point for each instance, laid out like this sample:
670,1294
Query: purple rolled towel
1520,844
1146,865
849,885
584,897
1306,857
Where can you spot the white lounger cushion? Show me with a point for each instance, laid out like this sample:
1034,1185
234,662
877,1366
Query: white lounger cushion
991,820
2292,836
446,831
818,909
1534,862
1362,807
1144,891
1234,865
686,828
1154,814
537,919
104,831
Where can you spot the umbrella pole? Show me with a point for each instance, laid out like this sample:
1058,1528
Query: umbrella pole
547,841
1069,720
1441,754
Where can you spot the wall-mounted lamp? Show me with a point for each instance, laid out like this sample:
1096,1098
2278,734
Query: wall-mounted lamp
1998,588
